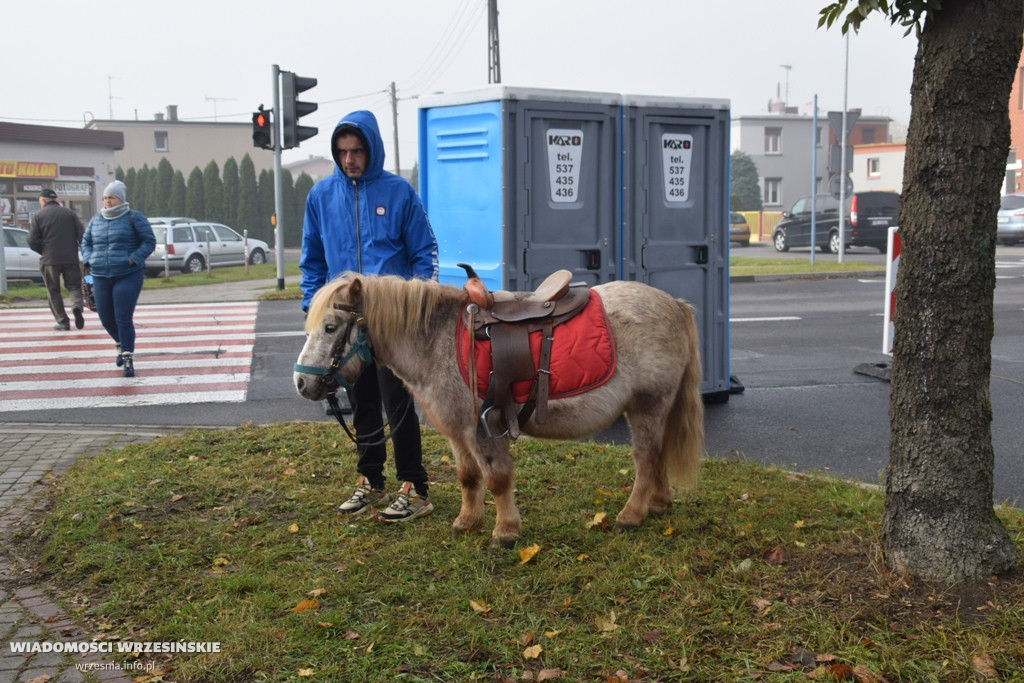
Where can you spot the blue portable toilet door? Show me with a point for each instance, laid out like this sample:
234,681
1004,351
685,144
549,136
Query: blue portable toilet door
563,190
680,216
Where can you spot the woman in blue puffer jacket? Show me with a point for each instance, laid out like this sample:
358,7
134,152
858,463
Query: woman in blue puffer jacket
114,250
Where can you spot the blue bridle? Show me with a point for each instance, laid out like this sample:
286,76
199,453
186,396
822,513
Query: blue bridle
360,347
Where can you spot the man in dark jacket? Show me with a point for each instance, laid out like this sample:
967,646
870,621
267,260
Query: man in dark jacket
55,234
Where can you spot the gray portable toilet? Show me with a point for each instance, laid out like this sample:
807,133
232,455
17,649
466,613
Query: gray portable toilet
676,232
521,182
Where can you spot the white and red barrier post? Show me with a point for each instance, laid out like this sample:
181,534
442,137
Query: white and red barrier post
891,267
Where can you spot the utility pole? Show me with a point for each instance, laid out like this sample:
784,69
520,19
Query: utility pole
394,125
493,52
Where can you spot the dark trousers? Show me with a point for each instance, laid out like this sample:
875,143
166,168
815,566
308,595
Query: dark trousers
377,386
72,274
116,298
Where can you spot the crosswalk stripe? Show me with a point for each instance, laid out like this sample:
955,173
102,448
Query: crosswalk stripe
184,353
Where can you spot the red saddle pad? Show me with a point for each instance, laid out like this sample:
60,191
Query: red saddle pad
582,354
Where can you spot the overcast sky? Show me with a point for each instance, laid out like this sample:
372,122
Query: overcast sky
66,62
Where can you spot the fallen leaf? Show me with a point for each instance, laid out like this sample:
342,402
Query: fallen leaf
527,554
316,592
600,521
551,634
606,625
760,604
176,497
352,635
549,674
305,673
306,604
533,652
479,607
652,636
41,679
777,555
800,524
667,532
293,528
982,663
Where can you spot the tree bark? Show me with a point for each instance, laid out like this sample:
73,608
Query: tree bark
939,522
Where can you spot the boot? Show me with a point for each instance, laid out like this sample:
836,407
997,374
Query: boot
126,361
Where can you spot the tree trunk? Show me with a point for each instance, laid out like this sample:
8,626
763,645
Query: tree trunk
939,523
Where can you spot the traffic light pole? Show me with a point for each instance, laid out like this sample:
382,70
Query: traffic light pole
278,226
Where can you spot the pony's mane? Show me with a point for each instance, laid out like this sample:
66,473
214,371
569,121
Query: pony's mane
392,305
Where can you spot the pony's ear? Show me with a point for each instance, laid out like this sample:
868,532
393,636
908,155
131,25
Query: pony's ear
355,290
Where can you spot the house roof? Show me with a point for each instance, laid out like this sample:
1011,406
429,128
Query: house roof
57,135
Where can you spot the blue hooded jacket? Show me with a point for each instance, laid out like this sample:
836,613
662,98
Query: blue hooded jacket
375,225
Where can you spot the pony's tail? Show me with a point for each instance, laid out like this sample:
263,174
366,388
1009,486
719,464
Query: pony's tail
683,440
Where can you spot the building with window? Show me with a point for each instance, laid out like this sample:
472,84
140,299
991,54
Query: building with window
879,167
77,164
185,144
788,150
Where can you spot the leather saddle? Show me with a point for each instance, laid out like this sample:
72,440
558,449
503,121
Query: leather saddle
507,319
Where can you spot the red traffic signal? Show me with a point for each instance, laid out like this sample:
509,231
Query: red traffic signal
261,135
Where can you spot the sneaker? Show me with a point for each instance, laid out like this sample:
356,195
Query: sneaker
364,497
62,327
79,320
118,361
408,506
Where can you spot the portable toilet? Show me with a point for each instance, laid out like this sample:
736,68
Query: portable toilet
521,182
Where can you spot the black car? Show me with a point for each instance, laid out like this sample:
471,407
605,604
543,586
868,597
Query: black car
867,219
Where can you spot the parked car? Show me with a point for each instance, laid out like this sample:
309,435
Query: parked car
867,219
739,229
190,246
1010,219
869,215
794,230
20,261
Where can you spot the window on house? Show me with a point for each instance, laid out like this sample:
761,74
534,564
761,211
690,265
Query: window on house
160,141
817,139
874,167
772,191
867,136
773,141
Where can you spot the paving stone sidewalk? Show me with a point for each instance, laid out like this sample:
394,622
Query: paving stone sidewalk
31,457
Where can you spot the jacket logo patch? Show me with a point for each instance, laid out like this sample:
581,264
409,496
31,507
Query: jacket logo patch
381,211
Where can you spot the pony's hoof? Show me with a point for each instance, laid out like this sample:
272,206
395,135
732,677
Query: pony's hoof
622,527
503,543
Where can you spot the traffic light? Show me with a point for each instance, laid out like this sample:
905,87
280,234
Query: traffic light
261,136
292,110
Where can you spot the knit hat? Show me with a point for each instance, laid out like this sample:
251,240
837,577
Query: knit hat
115,189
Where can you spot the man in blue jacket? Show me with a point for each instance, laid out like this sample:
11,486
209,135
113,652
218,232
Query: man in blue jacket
366,220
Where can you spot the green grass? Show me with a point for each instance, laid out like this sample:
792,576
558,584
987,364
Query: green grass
757,574
823,265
